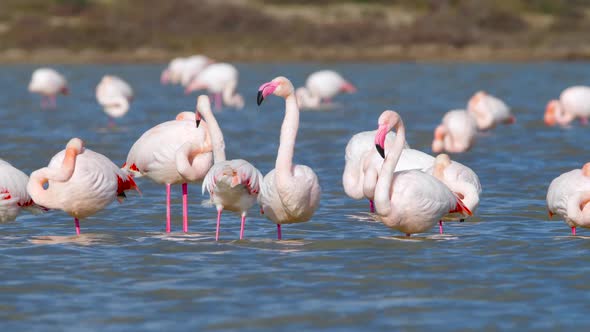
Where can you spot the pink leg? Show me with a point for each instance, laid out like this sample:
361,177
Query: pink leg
574,231
243,224
440,227
77,223
167,207
53,102
185,207
279,235
111,123
371,206
218,101
218,222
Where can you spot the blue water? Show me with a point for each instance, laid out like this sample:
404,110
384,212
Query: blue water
507,268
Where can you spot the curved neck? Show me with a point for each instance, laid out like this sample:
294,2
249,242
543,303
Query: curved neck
576,208
39,177
284,163
385,181
230,97
562,116
217,142
483,118
466,191
307,99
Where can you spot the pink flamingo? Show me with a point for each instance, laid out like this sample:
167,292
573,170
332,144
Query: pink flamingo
13,193
172,73
290,193
574,102
456,133
363,164
81,182
321,86
461,180
183,70
568,196
48,83
114,94
221,80
232,184
410,201
173,152
489,111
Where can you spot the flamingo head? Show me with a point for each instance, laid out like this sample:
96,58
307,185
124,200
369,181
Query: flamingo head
74,147
552,108
387,121
280,86
348,87
479,95
586,169
441,162
438,142
203,105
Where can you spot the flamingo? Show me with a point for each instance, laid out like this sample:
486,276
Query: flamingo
193,66
221,80
489,111
48,83
172,73
13,193
114,94
232,184
574,102
461,180
321,86
173,152
568,196
456,133
290,193
410,201
81,182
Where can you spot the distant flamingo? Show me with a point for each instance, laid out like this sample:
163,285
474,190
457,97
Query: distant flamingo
13,193
232,184
48,83
322,86
290,193
410,201
461,180
221,80
568,197
193,66
172,74
173,152
456,133
574,102
114,94
489,111
81,182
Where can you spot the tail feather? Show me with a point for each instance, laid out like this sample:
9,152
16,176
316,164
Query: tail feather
127,184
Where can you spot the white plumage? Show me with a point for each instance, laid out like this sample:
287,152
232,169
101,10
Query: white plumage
13,193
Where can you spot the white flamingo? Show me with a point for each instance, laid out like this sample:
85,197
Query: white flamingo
48,83
220,79
574,102
568,197
456,133
114,95
322,86
489,111
13,193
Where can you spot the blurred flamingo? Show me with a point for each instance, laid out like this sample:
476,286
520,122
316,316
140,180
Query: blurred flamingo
114,94
574,102
221,80
48,83
568,197
456,133
13,193
489,111
322,86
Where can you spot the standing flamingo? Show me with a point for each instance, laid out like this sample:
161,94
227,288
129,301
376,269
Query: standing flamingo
568,196
173,152
193,66
461,180
489,111
81,182
322,86
221,80
114,94
574,102
48,83
13,193
410,201
290,193
456,133
172,74
232,184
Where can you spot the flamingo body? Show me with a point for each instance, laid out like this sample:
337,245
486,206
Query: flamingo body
13,193
574,102
114,94
322,85
568,196
221,80
489,111
456,133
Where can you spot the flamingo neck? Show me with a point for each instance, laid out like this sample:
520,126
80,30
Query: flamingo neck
578,209
562,115
284,163
483,116
385,180
217,142
230,97
470,196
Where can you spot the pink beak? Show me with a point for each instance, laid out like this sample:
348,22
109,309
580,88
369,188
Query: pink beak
380,139
265,90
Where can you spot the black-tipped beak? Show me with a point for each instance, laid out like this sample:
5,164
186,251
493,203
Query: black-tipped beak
380,150
260,98
198,122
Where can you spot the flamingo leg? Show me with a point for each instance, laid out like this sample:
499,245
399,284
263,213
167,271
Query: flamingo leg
279,235
218,222
440,227
167,207
111,123
77,223
371,206
185,207
242,228
218,101
574,231
52,101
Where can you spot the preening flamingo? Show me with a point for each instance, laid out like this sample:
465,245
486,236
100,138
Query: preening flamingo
220,79
13,193
489,111
461,180
322,86
173,152
232,184
172,73
574,102
456,133
290,193
409,201
114,95
81,182
183,70
568,197
48,83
